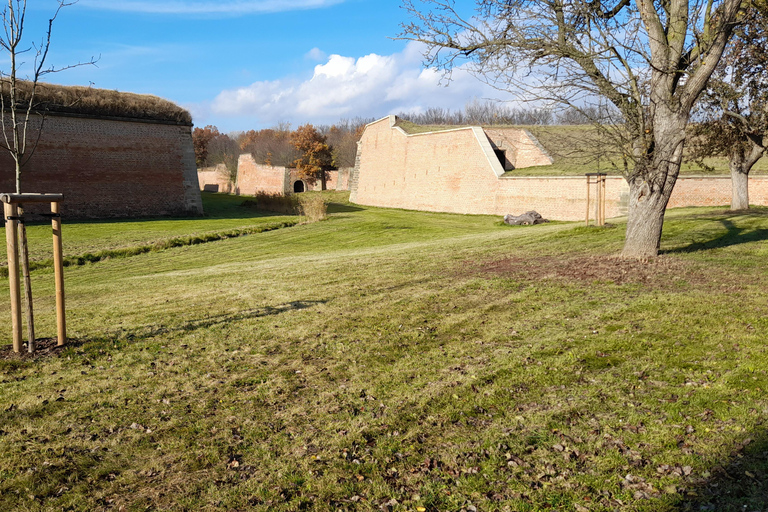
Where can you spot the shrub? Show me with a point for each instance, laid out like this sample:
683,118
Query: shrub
313,207
272,202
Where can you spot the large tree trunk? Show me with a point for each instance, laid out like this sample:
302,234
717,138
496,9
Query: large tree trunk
739,188
740,163
645,220
650,186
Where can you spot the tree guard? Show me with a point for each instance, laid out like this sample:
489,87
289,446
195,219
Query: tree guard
11,203
599,182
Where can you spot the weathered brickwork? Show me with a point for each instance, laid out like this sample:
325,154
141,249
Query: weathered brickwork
215,179
457,171
111,168
341,178
452,171
253,178
521,147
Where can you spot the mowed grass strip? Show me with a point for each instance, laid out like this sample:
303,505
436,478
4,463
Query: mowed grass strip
392,360
89,241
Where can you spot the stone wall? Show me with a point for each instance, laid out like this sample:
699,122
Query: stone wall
457,171
111,168
452,171
342,178
215,179
522,148
253,178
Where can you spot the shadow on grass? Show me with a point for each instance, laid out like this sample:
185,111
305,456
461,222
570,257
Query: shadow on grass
734,236
343,208
148,332
48,346
740,484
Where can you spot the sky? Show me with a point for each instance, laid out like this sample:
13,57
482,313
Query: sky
251,64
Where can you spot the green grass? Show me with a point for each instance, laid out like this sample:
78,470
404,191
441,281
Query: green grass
89,241
395,359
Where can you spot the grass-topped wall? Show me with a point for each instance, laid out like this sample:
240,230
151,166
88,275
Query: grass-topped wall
92,102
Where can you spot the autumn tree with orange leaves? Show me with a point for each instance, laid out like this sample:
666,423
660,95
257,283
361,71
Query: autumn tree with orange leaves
316,155
201,137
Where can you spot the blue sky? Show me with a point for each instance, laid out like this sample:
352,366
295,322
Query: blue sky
249,64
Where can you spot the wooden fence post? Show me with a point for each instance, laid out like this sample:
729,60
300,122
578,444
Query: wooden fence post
602,199
589,185
58,267
11,225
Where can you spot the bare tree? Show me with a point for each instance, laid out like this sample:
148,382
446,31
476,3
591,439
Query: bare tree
650,59
19,108
486,113
734,108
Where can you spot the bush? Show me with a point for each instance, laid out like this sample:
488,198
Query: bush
272,202
313,207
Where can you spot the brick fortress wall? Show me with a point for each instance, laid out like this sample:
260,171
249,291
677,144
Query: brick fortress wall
111,168
215,179
453,171
254,178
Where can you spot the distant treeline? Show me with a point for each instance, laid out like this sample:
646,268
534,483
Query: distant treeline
490,113
272,146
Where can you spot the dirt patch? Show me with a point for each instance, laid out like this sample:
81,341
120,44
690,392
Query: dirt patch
44,348
663,271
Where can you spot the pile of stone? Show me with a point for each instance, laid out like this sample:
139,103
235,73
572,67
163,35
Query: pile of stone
526,219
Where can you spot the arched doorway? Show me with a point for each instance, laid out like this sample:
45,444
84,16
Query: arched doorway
298,187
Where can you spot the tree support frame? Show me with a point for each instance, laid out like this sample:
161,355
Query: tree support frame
11,204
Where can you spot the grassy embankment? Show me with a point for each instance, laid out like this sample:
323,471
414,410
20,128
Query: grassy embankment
392,360
566,144
88,242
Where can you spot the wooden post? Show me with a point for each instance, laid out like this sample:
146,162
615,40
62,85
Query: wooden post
58,268
11,225
589,185
24,246
602,195
597,200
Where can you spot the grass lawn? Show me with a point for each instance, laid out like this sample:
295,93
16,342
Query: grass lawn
87,241
398,361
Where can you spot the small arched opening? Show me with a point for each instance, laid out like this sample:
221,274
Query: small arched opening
299,187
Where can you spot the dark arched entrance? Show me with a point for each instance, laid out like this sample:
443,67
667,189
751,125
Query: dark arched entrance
298,187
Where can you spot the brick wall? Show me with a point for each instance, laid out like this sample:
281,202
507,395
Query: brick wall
342,178
453,171
215,179
522,147
111,168
457,171
253,178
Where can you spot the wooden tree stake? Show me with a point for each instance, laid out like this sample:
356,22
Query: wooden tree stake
11,225
589,186
24,246
58,266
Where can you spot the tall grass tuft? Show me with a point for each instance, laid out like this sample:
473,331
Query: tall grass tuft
273,202
313,207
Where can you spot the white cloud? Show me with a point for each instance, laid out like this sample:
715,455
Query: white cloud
230,7
316,54
343,87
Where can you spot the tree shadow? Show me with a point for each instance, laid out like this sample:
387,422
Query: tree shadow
740,484
49,349
734,236
343,208
211,321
